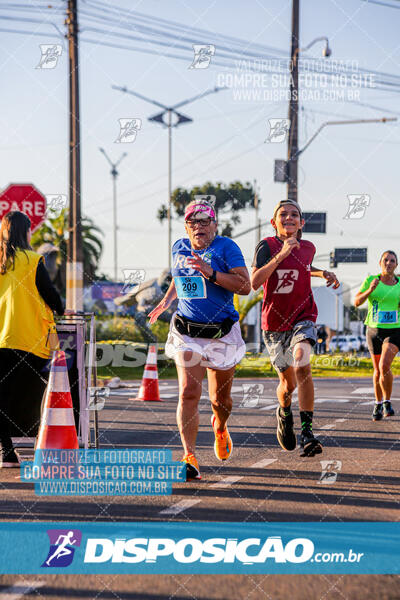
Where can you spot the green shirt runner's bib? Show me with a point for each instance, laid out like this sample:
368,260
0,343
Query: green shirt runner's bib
383,304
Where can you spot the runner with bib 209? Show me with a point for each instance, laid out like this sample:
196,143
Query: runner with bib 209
205,333
283,266
383,329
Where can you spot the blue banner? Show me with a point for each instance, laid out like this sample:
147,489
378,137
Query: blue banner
209,548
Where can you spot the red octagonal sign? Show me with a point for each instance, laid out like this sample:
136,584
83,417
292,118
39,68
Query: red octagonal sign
26,198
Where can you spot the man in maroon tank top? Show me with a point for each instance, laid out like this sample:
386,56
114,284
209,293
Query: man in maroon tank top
283,266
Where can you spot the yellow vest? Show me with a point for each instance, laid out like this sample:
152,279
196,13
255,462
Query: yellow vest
25,319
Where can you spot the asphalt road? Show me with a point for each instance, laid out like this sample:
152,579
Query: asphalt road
260,482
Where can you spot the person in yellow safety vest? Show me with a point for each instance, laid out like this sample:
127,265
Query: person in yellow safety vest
27,328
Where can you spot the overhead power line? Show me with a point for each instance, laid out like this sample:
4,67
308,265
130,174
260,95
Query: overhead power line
232,51
380,3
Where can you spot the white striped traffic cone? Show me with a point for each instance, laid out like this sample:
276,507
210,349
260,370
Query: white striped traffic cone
149,390
57,427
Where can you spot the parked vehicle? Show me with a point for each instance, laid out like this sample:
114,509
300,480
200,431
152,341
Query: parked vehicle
354,342
341,343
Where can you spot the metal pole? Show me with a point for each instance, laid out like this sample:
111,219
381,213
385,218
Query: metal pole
169,186
74,299
257,228
293,104
337,314
114,174
257,336
346,122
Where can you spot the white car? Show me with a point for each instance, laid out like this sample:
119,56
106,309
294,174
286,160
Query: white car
340,343
354,342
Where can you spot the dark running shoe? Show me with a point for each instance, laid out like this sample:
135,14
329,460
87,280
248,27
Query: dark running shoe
387,409
309,444
284,431
9,458
377,415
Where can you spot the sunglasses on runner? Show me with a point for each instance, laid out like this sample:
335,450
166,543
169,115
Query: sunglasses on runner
202,222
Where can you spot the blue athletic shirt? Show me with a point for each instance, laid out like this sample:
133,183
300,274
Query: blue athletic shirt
199,299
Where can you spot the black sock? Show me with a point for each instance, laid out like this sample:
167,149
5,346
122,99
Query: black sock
306,417
285,411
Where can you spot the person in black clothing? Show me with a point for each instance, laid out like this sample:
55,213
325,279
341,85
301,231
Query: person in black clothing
27,301
321,340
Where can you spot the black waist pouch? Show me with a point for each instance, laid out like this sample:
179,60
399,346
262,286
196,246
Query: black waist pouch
212,331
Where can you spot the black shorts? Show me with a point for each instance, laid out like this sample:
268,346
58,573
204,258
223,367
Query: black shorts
377,336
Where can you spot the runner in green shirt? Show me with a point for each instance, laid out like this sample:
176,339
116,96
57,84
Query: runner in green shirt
383,328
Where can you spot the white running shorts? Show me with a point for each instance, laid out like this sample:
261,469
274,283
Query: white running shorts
221,354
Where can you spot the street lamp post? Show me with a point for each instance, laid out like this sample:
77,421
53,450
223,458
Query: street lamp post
159,118
114,175
346,122
294,100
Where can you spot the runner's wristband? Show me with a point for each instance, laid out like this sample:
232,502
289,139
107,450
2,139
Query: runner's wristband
213,277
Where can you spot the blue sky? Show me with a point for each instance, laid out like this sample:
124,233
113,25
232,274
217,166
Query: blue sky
225,142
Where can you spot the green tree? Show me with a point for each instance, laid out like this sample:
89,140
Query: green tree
229,201
55,231
244,304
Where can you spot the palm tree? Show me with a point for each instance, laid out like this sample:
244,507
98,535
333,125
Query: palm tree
54,231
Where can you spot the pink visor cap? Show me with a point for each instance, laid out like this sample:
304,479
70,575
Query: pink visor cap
200,210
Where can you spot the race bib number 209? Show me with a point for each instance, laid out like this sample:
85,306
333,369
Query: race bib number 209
190,287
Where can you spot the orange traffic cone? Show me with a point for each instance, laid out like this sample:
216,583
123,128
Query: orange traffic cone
57,428
149,388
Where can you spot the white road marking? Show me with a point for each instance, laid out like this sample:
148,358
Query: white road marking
363,390
21,588
227,482
335,399
272,406
263,463
329,426
124,391
179,507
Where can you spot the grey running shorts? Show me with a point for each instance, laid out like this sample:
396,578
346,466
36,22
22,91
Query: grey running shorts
280,344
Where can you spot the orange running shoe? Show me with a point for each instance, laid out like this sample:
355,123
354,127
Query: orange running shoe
223,442
192,467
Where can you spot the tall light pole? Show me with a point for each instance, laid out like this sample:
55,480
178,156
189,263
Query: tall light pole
293,105
294,98
114,175
159,118
74,298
